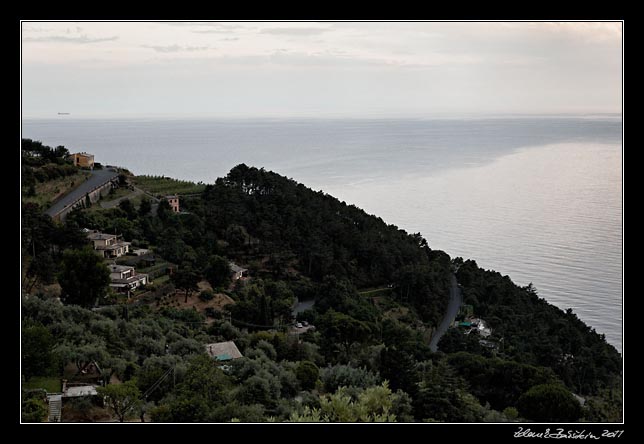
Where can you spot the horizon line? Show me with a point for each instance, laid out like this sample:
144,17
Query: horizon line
320,116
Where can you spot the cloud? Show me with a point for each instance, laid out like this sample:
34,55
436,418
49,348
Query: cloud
83,39
294,31
177,48
585,31
229,39
219,28
591,32
30,29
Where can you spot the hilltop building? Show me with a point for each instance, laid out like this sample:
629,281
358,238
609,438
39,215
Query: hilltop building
173,200
83,160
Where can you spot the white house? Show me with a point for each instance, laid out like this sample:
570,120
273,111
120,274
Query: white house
108,245
124,278
237,271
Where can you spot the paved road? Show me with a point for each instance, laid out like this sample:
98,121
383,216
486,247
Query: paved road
455,301
97,178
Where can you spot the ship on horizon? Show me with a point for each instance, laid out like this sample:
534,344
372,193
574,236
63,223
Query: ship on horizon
63,114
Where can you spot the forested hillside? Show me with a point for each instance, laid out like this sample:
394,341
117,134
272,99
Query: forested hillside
378,294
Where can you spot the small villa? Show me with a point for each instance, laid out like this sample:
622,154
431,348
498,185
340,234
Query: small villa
481,327
124,278
174,202
474,325
108,245
237,271
83,160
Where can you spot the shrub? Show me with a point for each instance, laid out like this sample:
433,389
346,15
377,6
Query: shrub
307,373
549,403
206,295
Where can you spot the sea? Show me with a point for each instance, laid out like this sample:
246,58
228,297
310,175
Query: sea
537,198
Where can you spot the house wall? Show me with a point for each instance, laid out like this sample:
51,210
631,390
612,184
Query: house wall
118,252
122,274
84,160
142,280
104,242
174,204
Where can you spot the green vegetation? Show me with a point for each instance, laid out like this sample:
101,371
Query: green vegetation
83,277
549,403
374,292
370,405
117,193
37,344
121,398
161,185
366,359
218,271
307,374
47,174
46,193
34,408
51,384
540,334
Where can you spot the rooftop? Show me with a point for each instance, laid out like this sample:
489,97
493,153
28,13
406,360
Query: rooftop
236,268
96,235
85,390
127,281
120,268
113,246
223,351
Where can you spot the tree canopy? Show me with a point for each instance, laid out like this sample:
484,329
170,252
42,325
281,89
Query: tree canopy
83,277
375,294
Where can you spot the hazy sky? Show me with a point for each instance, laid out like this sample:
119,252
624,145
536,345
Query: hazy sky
275,69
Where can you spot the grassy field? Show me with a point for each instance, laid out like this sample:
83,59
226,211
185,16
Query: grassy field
50,383
48,192
161,185
117,193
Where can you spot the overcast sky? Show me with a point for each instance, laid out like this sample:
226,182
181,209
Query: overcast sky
278,69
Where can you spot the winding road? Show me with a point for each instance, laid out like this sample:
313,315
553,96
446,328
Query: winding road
455,301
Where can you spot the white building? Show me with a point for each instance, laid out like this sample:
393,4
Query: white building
237,271
108,245
124,278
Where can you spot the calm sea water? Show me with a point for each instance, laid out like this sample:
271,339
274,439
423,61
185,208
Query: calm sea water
538,199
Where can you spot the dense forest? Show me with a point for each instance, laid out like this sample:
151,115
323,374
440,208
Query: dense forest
378,292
